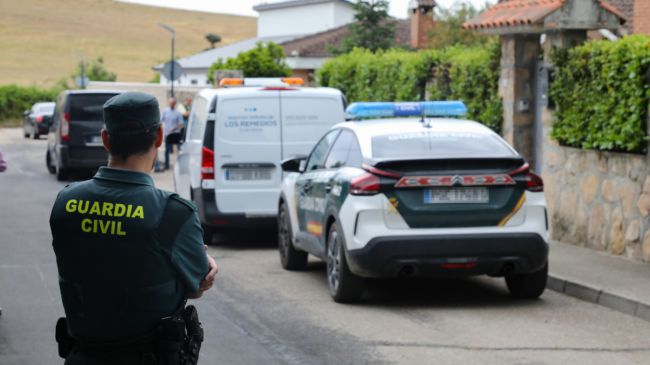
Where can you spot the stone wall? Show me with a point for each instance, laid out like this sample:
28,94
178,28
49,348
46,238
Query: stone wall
598,199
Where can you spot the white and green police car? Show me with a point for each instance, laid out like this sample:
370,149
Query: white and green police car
430,195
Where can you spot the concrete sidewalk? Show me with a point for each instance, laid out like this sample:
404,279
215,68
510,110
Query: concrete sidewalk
594,276
600,278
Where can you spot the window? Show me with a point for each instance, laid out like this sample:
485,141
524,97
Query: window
439,144
340,151
88,107
198,117
355,158
60,100
195,82
318,154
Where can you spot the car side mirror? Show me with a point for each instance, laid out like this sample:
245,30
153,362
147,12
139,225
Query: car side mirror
294,164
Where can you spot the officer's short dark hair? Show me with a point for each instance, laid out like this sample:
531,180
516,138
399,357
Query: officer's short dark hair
126,145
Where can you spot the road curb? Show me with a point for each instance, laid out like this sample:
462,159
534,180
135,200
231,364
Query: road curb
599,296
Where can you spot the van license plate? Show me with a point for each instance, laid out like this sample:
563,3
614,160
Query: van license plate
248,174
456,195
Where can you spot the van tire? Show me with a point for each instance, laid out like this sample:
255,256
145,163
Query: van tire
345,287
528,286
290,257
208,233
48,163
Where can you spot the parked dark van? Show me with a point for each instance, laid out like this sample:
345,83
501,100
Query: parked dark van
74,141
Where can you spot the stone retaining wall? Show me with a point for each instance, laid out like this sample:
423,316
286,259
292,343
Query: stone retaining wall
598,199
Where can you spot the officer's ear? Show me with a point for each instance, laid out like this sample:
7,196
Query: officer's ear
160,137
105,139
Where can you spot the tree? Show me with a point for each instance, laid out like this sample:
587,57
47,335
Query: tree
95,71
372,30
261,61
213,38
449,31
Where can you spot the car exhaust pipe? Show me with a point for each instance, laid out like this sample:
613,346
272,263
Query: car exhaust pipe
406,271
508,268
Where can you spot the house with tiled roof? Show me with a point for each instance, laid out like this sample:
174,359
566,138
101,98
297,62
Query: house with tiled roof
304,28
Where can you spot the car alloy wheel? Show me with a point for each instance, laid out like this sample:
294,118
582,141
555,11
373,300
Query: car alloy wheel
333,262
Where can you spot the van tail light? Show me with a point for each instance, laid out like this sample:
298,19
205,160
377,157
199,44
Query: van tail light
534,183
65,127
39,118
366,184
207,164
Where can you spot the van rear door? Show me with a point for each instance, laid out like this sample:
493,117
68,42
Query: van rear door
307,114
86,113
247,152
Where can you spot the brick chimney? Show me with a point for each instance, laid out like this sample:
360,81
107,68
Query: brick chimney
641,17
421,22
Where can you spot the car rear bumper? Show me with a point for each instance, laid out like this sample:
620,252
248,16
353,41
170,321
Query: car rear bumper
461,255
82,158
209,214
42,129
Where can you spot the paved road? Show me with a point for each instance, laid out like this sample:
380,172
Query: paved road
261,314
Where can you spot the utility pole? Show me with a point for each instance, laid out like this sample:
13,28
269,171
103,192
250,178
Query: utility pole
83,82
173,32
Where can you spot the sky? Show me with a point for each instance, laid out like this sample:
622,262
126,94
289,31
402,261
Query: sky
245,7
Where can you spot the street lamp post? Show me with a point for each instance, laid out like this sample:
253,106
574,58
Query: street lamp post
173,32
83,83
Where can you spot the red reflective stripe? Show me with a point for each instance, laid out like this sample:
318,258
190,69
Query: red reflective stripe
471,180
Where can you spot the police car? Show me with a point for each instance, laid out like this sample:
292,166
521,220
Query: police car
431,195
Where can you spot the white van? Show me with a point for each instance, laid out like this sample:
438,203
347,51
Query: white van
229,163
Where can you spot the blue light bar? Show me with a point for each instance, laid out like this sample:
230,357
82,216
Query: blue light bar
402,109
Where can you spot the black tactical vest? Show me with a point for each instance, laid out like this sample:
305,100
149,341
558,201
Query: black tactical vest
115,278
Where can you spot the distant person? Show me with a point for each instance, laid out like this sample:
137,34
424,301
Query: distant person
3,163
185,109
173,120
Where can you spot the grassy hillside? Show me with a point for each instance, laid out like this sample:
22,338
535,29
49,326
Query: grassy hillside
37,37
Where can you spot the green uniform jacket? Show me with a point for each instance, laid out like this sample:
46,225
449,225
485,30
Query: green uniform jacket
126,253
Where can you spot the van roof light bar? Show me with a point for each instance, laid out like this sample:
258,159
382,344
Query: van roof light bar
260,81
402,109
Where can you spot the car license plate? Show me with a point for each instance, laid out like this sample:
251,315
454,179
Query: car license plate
248,174
96,139
456,195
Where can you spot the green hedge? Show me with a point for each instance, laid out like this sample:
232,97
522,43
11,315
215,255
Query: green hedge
14,100
467,74
601,91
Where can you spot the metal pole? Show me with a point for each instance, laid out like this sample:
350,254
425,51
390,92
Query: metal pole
83,81
173,32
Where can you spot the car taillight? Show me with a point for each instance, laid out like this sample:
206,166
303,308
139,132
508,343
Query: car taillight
366,184
39,118
534,183
65,127
207,164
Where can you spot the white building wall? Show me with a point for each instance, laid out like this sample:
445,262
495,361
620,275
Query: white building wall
343,14
190,78
307,19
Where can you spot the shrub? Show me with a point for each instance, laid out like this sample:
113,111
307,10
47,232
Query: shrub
261,61
14,100
601,91
467,74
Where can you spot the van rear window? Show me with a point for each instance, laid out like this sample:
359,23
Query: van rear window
88,107
439,144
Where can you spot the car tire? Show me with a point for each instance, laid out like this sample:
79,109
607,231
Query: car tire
345,287
208,233
528,286
48,163
35,134
61,174
290,257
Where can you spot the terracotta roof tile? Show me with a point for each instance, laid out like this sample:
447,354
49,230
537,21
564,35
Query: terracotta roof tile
521,12
430,3
315,45
625,7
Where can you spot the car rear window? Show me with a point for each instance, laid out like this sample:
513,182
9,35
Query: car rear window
88,107
46,109
439,144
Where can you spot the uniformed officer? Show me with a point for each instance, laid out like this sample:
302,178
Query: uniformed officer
127,252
